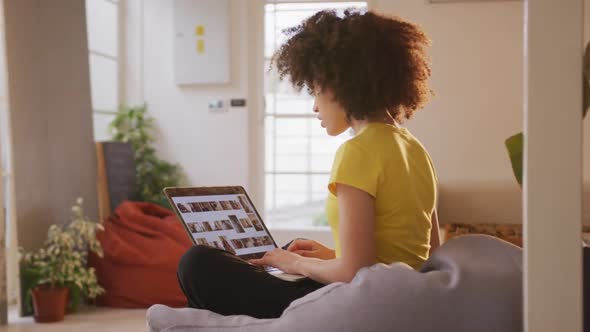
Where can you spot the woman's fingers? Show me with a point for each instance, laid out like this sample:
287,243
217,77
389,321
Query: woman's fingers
259,261
256,261
306,253
264,260
293,246
301,245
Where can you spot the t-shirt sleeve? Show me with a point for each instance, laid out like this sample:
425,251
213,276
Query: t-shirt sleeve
431,164
356,167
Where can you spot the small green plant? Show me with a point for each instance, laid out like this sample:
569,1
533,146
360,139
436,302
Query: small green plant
62,261
515,144
133,125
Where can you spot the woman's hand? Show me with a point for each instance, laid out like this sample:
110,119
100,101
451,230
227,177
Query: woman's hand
311,248
283,260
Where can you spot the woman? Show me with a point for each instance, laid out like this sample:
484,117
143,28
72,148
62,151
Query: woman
367,72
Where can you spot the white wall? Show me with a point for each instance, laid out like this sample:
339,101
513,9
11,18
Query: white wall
211,147
477,62
477,76
477,56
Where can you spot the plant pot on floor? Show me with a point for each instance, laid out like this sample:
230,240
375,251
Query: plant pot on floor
49,303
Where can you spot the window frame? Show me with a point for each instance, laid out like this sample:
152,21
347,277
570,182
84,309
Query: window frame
259,115
118,59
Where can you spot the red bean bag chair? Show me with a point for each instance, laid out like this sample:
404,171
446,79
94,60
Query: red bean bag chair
142,244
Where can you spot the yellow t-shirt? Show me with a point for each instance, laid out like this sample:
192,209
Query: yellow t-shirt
391,165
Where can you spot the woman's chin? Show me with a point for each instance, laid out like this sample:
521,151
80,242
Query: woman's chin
333,132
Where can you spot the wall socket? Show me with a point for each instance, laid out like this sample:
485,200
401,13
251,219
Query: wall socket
217,105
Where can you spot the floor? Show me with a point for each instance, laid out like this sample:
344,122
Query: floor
87,320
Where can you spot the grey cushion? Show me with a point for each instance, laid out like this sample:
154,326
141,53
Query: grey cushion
471,283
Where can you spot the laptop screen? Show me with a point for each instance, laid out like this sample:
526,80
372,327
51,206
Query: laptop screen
225,221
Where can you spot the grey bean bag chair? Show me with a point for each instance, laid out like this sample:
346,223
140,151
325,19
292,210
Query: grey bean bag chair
471,283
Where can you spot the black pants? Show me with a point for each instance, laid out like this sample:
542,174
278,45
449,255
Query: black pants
219,281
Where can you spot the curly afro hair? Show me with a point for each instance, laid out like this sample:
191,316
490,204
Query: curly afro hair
373,64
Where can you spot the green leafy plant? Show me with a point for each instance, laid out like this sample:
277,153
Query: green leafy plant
62,261
133,125
515,144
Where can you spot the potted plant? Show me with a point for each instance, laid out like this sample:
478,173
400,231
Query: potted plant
134,126
57,274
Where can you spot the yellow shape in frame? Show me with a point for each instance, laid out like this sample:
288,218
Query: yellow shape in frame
200,46
200,30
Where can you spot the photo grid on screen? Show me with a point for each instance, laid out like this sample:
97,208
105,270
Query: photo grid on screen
226,222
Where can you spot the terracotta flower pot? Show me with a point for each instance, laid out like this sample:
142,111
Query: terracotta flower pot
49,303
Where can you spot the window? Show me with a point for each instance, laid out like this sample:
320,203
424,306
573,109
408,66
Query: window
298,152
102,22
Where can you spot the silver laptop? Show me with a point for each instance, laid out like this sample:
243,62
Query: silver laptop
225,218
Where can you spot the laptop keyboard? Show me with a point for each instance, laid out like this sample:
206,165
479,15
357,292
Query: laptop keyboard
270,269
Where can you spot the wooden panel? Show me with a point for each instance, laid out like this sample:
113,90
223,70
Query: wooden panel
54,158
3,286
3,177
117,179
51,119
102,184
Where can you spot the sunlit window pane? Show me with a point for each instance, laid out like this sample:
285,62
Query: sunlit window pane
102,29
298,152
269,145
269,181
325,144
294,105
102,26
320,163
103,83
292,145
291,183
269,30
290,163
297,127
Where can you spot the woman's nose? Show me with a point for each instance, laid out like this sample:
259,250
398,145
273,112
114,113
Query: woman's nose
315,108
